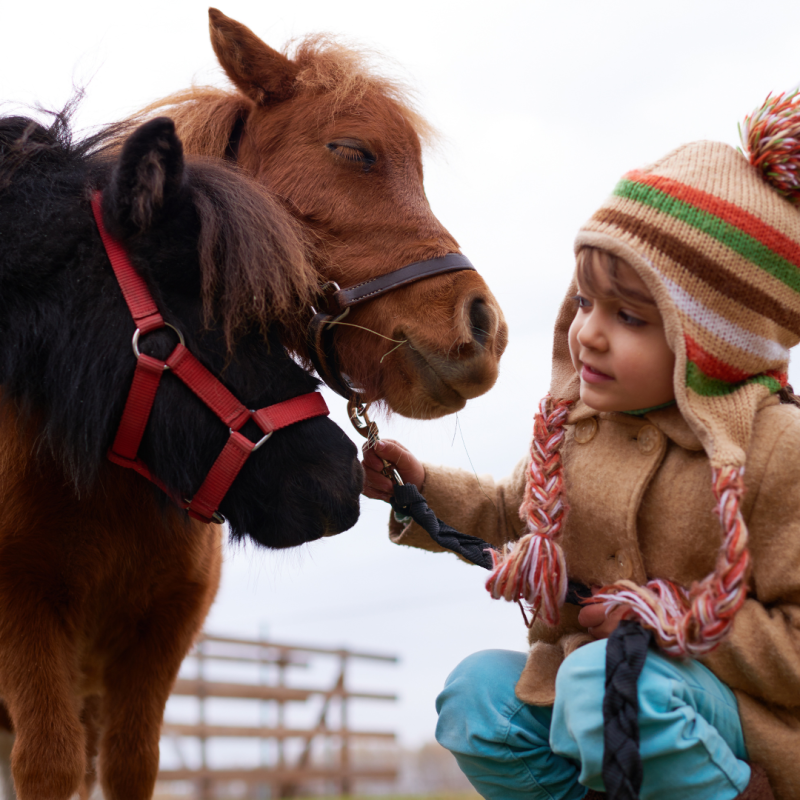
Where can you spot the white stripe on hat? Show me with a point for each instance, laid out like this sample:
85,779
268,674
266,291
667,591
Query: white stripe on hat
723,328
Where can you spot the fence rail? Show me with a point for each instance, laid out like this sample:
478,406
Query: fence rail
284,778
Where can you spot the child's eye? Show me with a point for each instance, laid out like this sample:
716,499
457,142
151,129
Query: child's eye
629,319
581,301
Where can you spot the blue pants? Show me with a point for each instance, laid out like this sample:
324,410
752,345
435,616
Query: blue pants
691,738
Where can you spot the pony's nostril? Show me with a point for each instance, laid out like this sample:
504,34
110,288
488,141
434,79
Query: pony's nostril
480,321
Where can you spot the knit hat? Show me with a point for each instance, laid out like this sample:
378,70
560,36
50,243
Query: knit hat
715,237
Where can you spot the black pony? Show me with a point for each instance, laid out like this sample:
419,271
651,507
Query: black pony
105,583
222,261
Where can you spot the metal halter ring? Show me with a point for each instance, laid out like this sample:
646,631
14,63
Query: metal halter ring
137,333
261,441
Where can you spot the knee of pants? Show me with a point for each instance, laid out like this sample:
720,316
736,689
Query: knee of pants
478,699
580,685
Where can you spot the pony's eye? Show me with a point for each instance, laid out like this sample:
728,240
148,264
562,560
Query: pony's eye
353,151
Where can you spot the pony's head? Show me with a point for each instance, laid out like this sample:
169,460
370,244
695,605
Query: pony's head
341,147
225,267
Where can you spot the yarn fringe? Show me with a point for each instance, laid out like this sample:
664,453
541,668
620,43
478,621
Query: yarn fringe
694,622
771,135
533,569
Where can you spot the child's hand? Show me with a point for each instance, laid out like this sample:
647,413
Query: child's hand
593,617
376,484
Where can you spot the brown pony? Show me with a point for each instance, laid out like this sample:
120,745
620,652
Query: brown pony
342,148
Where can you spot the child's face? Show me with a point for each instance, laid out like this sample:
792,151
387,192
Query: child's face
618,345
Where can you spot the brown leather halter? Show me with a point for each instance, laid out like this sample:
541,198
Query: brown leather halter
336,303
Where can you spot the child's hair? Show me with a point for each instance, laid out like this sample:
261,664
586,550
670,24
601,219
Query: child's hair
592,260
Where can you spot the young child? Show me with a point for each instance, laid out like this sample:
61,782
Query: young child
669,361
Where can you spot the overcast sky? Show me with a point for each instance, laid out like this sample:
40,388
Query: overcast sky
542,106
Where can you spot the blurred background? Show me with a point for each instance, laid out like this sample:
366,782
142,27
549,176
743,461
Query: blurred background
541,107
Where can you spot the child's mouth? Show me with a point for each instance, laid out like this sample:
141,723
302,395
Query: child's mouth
591,375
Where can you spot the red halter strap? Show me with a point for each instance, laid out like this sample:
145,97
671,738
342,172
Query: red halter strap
146,380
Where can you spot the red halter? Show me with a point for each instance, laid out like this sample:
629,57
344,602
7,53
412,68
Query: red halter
147,377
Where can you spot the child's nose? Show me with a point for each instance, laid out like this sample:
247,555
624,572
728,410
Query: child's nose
592,333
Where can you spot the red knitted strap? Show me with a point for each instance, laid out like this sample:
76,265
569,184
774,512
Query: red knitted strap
134,289
219,479
208,388
142,394
277,416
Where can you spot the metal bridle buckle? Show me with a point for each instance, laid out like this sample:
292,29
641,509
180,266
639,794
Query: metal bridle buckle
138,332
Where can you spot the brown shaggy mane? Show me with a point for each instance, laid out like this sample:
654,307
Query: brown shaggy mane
262,274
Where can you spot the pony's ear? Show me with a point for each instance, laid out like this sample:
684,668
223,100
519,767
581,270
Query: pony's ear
259,72
148,174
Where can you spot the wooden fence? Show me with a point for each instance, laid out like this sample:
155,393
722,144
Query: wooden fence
284,775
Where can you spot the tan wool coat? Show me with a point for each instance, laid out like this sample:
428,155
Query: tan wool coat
640,507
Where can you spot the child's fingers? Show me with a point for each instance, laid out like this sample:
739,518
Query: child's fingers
376,485
592,615
600,624
403,460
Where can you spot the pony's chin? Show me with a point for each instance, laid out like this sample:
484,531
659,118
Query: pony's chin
422,384
295,530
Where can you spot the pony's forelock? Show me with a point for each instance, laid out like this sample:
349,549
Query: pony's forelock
346,73
248,279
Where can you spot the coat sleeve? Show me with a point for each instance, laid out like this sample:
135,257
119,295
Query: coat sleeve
477,505
761,655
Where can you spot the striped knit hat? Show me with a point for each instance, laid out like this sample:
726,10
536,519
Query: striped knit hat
715,236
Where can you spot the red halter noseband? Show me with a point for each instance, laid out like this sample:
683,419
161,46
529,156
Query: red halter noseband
147,377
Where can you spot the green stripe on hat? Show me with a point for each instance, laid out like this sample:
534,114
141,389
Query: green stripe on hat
702,384
729,235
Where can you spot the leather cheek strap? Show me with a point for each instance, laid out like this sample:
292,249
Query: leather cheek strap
321,332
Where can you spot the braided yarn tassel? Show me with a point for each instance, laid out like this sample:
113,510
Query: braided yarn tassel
533,569
694,622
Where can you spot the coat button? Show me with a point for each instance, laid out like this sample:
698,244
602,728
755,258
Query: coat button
649,439
585,430
624,564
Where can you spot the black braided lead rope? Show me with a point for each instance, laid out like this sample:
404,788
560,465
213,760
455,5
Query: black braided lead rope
407,501
626,651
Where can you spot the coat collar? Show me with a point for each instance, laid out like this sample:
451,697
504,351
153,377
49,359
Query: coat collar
669,421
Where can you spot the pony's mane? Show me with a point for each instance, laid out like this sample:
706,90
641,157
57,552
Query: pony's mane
205,115
26,143
253,257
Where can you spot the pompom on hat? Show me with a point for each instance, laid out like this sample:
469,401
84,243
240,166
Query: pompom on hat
715,236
